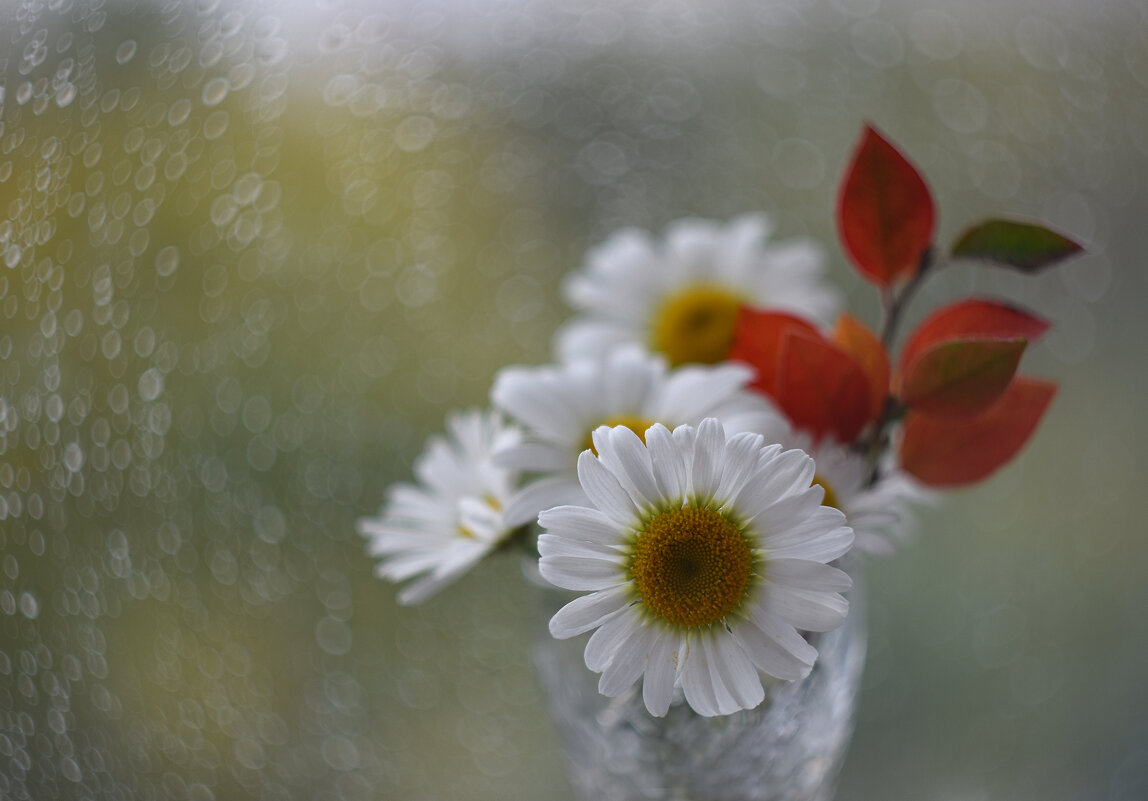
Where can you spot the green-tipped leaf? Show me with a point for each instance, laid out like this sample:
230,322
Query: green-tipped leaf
961,379
972,318
1027,247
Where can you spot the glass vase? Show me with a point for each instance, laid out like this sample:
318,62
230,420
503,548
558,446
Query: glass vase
789,748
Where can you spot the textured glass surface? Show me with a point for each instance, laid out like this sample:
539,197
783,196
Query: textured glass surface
251,253
790,748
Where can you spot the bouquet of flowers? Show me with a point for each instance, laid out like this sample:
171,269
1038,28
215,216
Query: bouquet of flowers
715,436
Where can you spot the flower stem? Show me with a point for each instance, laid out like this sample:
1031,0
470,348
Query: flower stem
524,539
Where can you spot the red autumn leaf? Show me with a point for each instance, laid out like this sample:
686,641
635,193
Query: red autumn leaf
757,342
885,213
962,378
822,389
851,335
946,452
974,318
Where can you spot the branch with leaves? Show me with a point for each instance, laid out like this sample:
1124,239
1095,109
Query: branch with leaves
954,388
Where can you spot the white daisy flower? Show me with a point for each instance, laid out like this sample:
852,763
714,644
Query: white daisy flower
703,556
879,515
560,405
441,527
680,296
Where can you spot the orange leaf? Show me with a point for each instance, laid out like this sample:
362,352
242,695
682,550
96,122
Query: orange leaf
822,389
885,213
851,335
947,452
974,318
757,342
962,378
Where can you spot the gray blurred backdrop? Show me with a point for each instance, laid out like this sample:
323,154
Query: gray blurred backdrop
251,254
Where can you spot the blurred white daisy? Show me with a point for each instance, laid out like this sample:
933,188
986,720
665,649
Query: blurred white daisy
441,527
559,406
879,515
703,556
680,295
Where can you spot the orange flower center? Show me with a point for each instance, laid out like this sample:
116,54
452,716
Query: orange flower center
691,566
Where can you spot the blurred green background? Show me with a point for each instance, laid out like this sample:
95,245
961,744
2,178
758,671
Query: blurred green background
251,254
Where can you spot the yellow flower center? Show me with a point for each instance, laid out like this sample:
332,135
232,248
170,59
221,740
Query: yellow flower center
830,498
636,424
696,324
691,566
490,501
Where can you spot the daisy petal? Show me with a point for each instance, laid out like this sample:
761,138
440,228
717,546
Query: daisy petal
540,405
580,573
769,655
741,458
589,611
661,672
525,505
709,448
726,703
805,575
538,457
737,673
550,545
609,640
785,514
690,391
820,538
779,475
418,591
629,661
445,573
630,376
625,455
666,460
405,565
604,490
695,679
752,413
579,523
872,543
803,609
580,338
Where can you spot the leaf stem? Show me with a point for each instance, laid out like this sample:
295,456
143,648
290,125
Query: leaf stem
893,304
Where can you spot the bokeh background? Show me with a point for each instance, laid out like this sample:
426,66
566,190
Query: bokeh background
252,253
